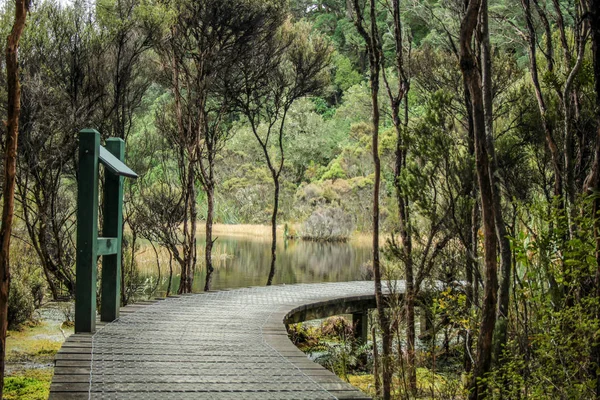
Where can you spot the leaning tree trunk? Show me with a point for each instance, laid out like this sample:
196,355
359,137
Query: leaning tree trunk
10,168
473,78
274,228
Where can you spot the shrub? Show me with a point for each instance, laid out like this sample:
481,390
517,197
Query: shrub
337,326
20,303
303,336
330,224
27,285
31,385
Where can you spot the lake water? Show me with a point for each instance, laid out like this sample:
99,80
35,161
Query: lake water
242,261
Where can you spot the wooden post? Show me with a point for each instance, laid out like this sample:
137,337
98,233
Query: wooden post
112,228
87,231
360,322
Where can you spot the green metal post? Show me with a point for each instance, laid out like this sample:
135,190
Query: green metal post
112,228
87,231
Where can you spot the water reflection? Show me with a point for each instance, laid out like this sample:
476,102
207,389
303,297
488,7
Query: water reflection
244,261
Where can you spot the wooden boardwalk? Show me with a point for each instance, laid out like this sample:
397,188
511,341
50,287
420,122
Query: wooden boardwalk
218,345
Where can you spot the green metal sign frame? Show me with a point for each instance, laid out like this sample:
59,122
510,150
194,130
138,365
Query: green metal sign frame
89,245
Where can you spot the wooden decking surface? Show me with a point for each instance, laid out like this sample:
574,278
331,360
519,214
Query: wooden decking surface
218,345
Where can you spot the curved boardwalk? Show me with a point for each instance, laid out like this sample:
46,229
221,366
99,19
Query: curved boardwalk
218,345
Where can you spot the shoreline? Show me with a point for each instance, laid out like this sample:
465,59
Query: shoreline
264,231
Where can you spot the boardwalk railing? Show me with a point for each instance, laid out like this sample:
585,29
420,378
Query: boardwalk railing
89,245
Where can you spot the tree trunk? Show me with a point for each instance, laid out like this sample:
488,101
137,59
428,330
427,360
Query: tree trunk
473,78
405,237
470,233
376,361
10,167
593,179
189,231
210,202
274,228
192,234
374,52
505,253
396,100
380,300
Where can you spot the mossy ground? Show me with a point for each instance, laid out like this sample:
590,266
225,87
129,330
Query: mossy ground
29,355
28,385
37,343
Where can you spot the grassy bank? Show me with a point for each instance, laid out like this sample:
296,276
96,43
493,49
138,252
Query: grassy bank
264,232
30,353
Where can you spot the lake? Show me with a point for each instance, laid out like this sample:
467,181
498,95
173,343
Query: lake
242,261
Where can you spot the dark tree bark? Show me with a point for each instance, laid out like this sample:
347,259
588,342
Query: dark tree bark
190,223
472,76
208,183
210,202
274,228
470,233
10,169
504,242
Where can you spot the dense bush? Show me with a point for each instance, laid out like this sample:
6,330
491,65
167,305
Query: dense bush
27,286
20,303
329,224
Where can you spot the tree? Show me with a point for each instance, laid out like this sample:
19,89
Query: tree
127,33
398,96
10,168
477,11
374,50
60,96
206,40
290,66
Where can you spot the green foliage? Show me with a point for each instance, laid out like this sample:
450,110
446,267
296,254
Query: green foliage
27,287
31,386
334,171
555,323
20,304
332,345
345,74
304,336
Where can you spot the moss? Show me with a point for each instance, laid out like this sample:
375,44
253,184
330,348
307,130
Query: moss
30,385
366,383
